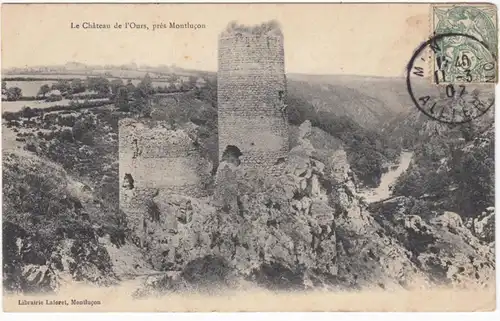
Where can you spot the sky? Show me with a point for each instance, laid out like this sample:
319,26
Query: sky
353,39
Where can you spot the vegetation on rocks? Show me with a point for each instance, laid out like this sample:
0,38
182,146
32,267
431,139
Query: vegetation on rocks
451,171
305,228
51,225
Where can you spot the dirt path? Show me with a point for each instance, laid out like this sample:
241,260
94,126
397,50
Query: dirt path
9,142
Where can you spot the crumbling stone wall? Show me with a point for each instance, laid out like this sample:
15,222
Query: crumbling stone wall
251,93
155,158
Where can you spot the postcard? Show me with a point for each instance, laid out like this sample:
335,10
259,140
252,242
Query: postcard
248,157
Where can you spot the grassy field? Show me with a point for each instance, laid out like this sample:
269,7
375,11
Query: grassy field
13,106
29,88
55,76
128,73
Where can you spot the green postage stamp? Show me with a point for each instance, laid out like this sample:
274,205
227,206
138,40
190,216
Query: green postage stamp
466,41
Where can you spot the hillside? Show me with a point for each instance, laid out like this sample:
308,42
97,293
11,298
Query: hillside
307,228
370,101
59,198
452,168
340,100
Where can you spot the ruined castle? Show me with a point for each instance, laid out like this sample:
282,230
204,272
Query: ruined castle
252,119
251,91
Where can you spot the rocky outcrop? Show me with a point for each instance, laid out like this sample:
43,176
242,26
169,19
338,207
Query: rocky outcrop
483,226
48,236
306,228
273,231
441,246
32,265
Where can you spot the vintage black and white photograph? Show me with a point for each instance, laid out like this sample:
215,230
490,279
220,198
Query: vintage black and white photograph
248,157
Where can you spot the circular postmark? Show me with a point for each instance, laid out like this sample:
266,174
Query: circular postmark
461,98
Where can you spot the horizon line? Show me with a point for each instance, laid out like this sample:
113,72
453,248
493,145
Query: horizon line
3,70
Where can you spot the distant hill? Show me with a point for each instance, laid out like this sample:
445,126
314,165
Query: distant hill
370,101
340,100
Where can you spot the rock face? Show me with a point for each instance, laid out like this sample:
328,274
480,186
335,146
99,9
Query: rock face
273,231
483,226
29,266
441,246
305,228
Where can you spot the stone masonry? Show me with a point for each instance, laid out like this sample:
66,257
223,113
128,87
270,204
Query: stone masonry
251,94
154,158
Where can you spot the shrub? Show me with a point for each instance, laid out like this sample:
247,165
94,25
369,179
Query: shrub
68,121
27,112
66,135
53,98
9,116
421,208
82,127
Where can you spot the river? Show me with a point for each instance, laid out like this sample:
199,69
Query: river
382,191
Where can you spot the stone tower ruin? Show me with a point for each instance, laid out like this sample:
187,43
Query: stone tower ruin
160,158
157,160
251,82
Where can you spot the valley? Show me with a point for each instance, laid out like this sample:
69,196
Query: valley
383,191
312,224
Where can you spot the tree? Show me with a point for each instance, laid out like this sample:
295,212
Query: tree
4,86
28,112
145,87
116,84
99,84
141,106
14,93
130,86
171,87
192,81
474,172
44,89
83,128
62,85
77,86
121,99
141,103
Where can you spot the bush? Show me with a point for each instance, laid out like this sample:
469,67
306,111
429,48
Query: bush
9,116
68,121
30,147
53,98
421,208
27,112
82,127
66,135
31,98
